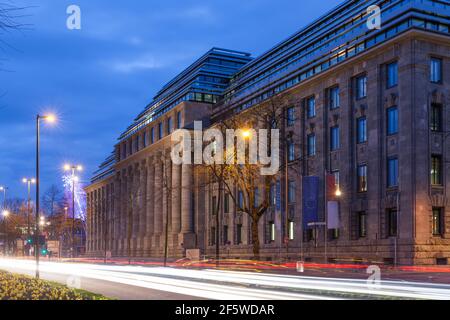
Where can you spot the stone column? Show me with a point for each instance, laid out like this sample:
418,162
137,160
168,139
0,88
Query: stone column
123,214
176,203
142,208
150,205
187,228
158,199
117,212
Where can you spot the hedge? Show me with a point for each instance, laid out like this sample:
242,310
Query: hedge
19,287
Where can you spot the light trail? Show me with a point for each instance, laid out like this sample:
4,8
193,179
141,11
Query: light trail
219,284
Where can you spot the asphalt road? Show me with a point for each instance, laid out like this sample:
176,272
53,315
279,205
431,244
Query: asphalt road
157,283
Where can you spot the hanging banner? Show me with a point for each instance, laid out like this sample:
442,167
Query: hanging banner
310,195
333,215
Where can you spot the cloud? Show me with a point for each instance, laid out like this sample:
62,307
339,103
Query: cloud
136,64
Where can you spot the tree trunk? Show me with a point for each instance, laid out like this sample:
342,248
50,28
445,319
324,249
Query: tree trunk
255,238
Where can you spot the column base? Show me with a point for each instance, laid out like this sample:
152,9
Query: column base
187,240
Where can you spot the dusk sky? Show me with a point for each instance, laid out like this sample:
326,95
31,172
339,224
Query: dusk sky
99,78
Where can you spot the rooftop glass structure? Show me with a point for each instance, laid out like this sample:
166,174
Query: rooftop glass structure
338,35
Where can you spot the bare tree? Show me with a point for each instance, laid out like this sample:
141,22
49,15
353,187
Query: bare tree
53,200
246,177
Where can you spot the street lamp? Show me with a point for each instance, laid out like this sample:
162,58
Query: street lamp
50,119
73,169
5,214
29,182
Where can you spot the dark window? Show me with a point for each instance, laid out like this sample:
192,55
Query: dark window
152,135
334,98
256,198
392,172
334,138
137,145
213,236
145,138
178,120
362,224
392,74
362,178
291,151
436,70
311,144
160,130
239,234
241,199
436,117
392,120
311,107
362,130
291,192
391,220
226,203
273,196
213,205
225,235
361,87
436,170
169,125
290,116
438,221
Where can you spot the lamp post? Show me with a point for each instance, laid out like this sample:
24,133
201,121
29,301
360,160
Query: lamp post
48,118
73,169
29,182
5,214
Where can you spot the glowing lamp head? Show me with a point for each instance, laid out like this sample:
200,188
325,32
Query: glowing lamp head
67,167
246,134
33,181
5,213
51,118
24,180
80,168
338,192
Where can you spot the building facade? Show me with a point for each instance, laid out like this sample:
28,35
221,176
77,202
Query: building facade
367,105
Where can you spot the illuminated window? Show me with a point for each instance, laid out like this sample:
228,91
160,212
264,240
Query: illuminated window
362,178
436,170
334,99
436,70
392,74
291,230
361,87
438,221
311,107
362,130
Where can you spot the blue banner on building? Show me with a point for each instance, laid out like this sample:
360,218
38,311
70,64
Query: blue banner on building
278,195
310,195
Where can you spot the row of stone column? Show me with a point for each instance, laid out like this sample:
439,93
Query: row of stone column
145,194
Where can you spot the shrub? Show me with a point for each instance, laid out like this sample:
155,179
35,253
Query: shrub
19,287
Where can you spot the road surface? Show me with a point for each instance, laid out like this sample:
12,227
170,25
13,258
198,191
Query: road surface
157,283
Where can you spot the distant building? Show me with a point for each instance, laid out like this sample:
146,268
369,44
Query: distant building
370,106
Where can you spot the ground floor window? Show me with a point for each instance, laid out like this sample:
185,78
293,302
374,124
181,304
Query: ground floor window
438,221
392,222
362,224
291,230
239,234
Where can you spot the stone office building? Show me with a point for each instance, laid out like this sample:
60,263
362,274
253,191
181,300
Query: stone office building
370,106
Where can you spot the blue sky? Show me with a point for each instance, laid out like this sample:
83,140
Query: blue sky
99,78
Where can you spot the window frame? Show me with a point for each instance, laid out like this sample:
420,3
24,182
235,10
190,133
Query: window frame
441,69
389,65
